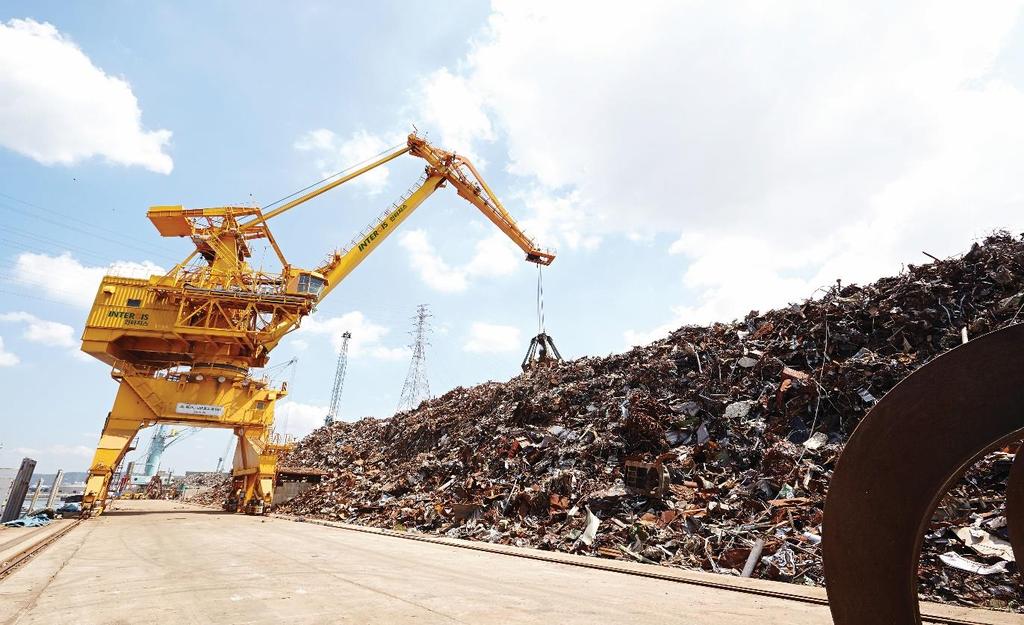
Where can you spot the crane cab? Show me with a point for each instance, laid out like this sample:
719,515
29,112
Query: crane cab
302,282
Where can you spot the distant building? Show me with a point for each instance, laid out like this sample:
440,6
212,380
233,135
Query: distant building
6,479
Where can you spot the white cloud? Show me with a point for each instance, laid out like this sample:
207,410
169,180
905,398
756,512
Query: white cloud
366,335
562,219
332,155
789,145
7,359
71,450
432,269
59,108
58,449
488,338
298,419
494,256
64,279
41,331
448,103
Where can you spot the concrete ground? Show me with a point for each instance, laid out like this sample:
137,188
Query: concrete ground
13,540
163,562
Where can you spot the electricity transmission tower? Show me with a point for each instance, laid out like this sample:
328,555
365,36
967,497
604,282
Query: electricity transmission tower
416,387
339,379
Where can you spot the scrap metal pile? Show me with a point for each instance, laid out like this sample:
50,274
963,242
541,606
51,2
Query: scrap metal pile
207,488
729,432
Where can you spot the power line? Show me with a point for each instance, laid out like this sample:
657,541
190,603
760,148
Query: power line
334,175
64,217
36,297
30,242
122,242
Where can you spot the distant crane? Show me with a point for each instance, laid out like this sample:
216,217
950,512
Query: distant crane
339,379
224,456
163,437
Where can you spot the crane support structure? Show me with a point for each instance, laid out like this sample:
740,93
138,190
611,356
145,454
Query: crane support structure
182,345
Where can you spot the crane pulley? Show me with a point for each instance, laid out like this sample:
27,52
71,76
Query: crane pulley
182,344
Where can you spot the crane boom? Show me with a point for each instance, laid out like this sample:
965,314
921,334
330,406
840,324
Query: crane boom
182,344
341,264
472,188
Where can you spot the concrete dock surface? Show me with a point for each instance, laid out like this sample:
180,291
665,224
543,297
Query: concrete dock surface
13,540
166,562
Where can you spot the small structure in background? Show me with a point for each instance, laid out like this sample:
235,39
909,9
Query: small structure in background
19,489
55,488
6,479
417,387
339,379
35,495
293,481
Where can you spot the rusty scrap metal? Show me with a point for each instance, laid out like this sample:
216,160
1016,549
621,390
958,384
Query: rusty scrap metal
748,418
905,454
646,478
1015,509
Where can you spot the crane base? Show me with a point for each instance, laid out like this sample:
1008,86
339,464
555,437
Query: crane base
244,406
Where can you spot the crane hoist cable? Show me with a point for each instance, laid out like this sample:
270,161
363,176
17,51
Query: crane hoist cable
335,175
542,348
540,299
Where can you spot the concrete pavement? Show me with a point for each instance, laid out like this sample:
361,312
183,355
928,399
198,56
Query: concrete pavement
163,562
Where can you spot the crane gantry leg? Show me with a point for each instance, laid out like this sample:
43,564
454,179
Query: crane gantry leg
199,400
118,432
254,469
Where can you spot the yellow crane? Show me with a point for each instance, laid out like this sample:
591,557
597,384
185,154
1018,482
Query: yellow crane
181,345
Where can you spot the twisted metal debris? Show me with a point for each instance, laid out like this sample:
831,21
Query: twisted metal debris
748,418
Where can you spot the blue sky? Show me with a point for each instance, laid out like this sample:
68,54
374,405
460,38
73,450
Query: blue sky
689,163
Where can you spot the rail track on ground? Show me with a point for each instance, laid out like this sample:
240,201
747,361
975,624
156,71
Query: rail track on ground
24,555
682,576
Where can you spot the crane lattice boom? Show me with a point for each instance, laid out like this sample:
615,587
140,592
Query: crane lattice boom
339,379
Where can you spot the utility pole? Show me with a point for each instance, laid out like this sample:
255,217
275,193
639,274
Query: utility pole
55,488
19,489
339,379
416,387
35,496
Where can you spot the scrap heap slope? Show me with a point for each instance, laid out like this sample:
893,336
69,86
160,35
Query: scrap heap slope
748,418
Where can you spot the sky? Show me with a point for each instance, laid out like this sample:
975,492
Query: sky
688,161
